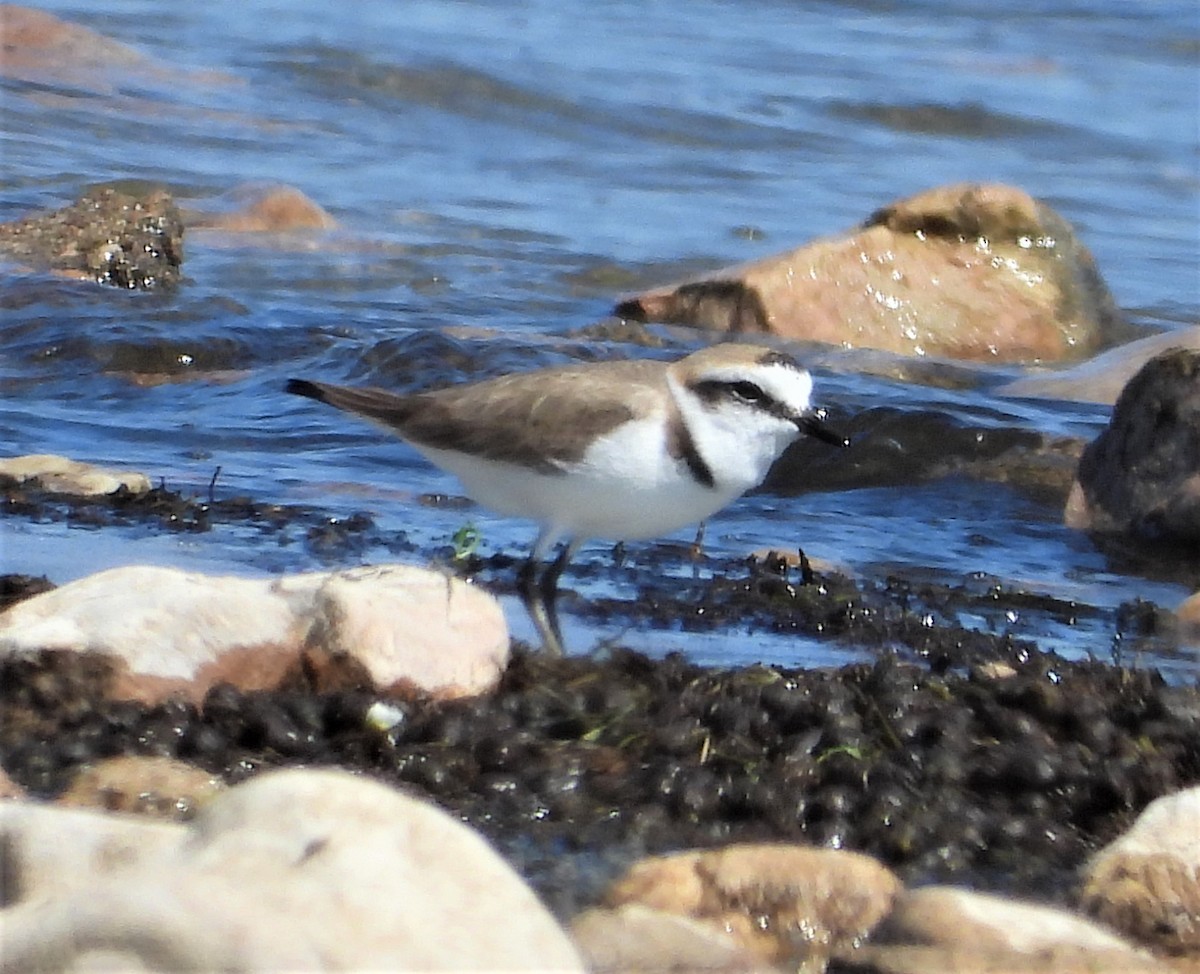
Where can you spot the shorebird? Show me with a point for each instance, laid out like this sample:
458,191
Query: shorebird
619,450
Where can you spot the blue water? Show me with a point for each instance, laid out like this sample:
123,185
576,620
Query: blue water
501,173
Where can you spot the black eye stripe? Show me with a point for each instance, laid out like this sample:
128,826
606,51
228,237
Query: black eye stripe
713,391
748,391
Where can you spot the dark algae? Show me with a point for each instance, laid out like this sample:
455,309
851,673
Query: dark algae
1005,774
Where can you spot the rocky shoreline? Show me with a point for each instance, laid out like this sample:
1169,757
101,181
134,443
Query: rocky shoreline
1001,770
670,815
953,762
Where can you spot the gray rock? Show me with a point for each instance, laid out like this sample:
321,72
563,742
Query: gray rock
1141,475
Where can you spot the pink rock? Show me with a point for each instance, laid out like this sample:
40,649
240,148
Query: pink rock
778,902
263,209
169,631
980,272
40,45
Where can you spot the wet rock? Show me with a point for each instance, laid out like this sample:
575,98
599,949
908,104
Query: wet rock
782,903
890,446
1146,884
61,475
39,46
979,272
1102,378
44,49
262,209
173,632
635,939
957,930
126,240
301,870
143,785
1141,475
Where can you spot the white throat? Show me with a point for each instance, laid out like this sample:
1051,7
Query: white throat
738,442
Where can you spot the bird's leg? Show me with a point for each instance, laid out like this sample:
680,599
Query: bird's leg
540,594
545,619
527,578
537,593
549,580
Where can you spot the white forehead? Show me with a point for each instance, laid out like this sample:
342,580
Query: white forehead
781,381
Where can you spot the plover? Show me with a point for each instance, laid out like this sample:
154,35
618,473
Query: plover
621,450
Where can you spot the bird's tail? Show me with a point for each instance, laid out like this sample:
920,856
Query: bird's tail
377,404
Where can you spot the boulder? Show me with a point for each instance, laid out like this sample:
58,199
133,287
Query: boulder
173,632
39,46
977,272
47,50
1141,475
295,870
1147,883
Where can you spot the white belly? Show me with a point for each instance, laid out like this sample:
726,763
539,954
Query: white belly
626,487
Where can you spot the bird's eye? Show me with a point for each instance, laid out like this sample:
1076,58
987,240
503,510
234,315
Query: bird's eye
747,392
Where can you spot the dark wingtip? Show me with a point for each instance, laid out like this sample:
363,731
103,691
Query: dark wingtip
302,387
631,310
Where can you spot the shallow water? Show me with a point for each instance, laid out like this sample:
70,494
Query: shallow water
501,174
